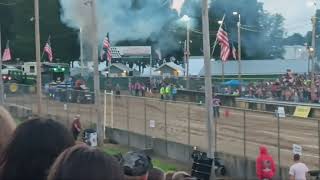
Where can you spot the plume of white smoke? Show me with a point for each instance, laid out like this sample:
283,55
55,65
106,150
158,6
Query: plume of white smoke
123,19
177,5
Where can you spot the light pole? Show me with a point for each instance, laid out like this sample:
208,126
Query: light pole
186,19
312,51
208,82
239,44
1,80
38,61
94,46
81,52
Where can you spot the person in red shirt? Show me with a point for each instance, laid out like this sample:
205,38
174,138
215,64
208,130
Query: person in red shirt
76,127
265,166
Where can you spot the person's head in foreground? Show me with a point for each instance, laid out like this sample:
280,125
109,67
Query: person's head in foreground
168,175
136,166
33,147
156,174
87,163
296,158
7,126
180,175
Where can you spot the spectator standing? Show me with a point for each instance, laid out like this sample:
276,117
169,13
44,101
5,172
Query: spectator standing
143,90
162,92
7,126
168,92
137,88
76,127
216,106
174,93
83,162
298,171
136,166
130,88
117,90
265,166
34,146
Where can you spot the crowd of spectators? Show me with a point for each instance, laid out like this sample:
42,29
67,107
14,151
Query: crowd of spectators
289,87
44,149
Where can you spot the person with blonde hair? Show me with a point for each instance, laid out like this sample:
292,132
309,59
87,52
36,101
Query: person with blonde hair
7,126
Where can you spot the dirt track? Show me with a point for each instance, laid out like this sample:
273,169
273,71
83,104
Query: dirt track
171,123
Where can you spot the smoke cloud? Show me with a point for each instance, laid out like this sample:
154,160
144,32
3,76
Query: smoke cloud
123,19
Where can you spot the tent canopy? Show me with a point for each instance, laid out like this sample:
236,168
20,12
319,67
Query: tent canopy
232,83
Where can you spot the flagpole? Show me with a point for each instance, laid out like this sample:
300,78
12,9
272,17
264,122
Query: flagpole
1,80
109,64
222,68
216,41
37,53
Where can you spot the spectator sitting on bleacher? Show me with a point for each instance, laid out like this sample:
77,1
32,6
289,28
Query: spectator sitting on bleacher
7,126
87,163
34,146
136,166
156,174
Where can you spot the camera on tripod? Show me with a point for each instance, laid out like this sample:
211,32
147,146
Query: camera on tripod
202,165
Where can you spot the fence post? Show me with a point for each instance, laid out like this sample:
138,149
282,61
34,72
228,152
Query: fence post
279,159
319,141
145,123
104,113
128,124
67,111
189,126
47,104
245,145
215,134
111,109
165,126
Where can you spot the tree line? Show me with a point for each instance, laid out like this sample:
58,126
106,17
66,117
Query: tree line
263,34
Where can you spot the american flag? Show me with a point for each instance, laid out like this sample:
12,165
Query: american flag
106,49
7,54
48,50
224,44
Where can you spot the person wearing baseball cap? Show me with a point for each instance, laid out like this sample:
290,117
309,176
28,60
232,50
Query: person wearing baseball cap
136,166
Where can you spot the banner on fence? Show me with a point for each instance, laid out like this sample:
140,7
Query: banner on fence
302,111
281,112
297,149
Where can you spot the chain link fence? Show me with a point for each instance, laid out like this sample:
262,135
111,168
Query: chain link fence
173,128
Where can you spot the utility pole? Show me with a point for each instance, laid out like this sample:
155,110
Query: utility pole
94,45
188,53
1,80
81,52
208,82
38,60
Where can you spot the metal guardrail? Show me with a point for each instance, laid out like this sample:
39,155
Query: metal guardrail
272,102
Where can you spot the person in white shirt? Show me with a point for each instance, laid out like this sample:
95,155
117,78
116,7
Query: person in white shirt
298,171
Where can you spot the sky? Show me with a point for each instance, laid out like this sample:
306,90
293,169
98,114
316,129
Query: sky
296,12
